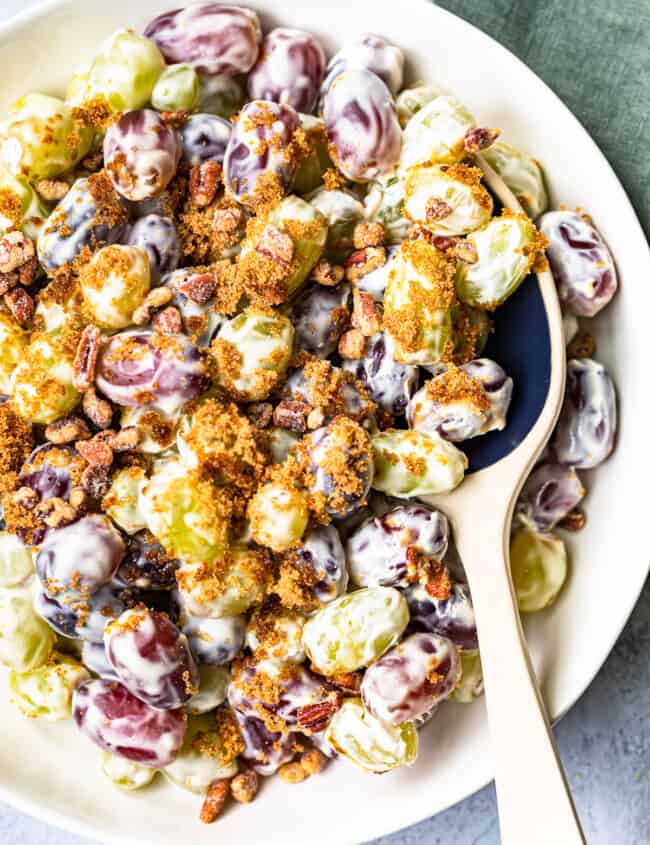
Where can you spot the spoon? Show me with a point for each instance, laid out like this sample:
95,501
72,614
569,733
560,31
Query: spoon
535,805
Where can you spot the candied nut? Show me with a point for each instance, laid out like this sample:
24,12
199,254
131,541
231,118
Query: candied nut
20,303
421,233
204,181
365,314
364,261
327,274
23,275
78,498
575,520
26,497
457,247
244,786
215,799
291,414
349,683
52,190
276,244
312,761
227,220
199,287
175,118
85,359
480,139
438,580
315,717
67,430
260,414
315,419
99,411
292,773
16,249
583,345
156,298
352,344
56,513
168,321
124,440
437,209
368,234
96,452
95,480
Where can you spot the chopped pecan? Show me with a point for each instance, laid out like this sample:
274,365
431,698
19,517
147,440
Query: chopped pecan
227,220
156,298
16,249
124,440
96,481
168,321
276,244
352,344
575,520
368,234
421,233
292,415
85,359
96,452
583,345
458,247
56,513
23,275
176,118
244,786
20,303
364,261
437,209
312,761
315,419
315,717
434,572
199,287
365,314
26,497
260,414
348,683
292,773
99,411
214,801
327,274
480,138
52,190
67,430
204,181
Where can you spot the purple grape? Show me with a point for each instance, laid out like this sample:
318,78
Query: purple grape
147,565
584,435
141,154
386,550
81,616
215,38
320,316
390,383
582,264
452,617
411,679
550,493
214,641
369,52
362,126
289,70
93,656
152,658
321,552
204,137
52,471
117,721
80,558
158,236
149,368
264,751
259,151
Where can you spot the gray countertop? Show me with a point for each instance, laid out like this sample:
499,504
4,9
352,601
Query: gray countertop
605,740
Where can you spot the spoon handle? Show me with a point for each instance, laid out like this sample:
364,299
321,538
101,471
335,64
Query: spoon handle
535,805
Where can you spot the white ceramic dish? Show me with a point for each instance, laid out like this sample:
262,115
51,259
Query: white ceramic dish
51,771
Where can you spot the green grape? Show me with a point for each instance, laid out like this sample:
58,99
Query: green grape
314,163
114,283
13,341
40,138
411,100
46,692
278,515
21,207
386,201
367,742
471,329
262,343
213,689
418,301
26,640
355,630
41,384
189,515
507,248
342,212
281,442
459,187
122,74
125,773
471,681
221,95
436,133
412,463
539,568
177,89
522,174
16,562
204,755
122,501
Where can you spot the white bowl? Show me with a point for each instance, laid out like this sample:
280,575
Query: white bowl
53,772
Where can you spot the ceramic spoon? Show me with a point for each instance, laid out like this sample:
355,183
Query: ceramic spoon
535,805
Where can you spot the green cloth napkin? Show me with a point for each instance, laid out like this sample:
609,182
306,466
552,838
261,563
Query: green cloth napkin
595,55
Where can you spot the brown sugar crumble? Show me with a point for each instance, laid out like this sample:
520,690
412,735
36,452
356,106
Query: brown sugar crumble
455,385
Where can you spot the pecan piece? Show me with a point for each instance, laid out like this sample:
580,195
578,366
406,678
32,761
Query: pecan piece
156,298
312,761
204,181
437,209
52,190
292,773
199,287
56,513
67,430
23,275
368,234
583,345
244,786
348,683
16,249
96,481
292,415
176,118
85,359
20,303
99,411
480,138
364,261
315,717
327,274
168,321
260,414
227,220
315,419
96,452
215,800
457,247
365,315
438,580
575,520
124,440
352,344
276,245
